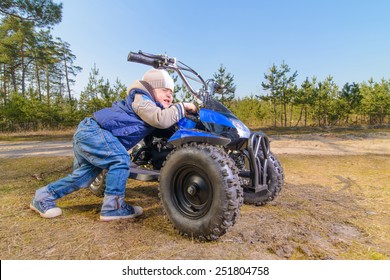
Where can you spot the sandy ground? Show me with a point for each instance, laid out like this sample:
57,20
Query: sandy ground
334,205
330,144
308,144
16,149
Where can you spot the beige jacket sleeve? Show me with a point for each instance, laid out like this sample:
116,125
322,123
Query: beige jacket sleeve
153,115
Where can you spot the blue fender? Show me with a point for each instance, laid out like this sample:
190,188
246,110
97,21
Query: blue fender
185,135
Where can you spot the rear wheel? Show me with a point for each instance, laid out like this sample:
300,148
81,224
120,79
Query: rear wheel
200,191
98,186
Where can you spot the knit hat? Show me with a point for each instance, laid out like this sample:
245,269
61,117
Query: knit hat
158,78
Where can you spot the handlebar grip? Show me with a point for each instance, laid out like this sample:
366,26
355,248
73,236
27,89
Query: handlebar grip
140,58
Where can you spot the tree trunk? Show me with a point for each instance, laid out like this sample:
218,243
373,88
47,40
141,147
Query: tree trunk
305,116
67,79
47,85
38,82
274,101
13,78
23,71
300,116
285,110
5,84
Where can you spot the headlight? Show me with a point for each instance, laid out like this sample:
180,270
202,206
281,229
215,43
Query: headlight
242,129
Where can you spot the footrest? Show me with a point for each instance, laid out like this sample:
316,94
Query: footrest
142,174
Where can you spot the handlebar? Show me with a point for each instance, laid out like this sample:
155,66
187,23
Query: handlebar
168,63
139,58
155,61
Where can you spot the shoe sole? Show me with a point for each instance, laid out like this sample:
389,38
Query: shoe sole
46,215
113,218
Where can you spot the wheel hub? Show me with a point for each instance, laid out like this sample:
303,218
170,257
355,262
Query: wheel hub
193,189
193,192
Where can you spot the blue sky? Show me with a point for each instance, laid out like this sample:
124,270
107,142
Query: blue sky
349,40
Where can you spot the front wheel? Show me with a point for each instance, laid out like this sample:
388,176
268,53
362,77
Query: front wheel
275,181
200,191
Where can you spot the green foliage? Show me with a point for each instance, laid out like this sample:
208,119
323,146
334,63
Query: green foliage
226,81
37,73
40,12
99,93
180,93
325,101
350,100
30,57
281,88
304,100
250,110
322,103
28,112
376,100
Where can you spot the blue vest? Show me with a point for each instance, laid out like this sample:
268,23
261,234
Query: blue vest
123,122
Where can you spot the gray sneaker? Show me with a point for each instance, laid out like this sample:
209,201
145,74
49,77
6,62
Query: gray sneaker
47,209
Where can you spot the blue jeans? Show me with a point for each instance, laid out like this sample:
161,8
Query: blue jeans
95,149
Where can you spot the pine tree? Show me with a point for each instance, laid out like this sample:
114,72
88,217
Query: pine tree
226,81
351,98
99,94
67,58
273,86
42,13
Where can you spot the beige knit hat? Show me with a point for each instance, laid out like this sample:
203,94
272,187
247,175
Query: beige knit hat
158,78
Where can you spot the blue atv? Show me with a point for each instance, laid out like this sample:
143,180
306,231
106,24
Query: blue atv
208,164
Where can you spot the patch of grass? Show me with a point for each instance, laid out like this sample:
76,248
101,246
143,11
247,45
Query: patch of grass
353,189
21,173
330,208
359,251
41,135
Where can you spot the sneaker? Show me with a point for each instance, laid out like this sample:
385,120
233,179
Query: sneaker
124,212
47,209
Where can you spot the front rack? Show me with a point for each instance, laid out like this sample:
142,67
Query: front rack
258,143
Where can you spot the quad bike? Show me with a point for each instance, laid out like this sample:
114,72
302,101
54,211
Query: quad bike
208,164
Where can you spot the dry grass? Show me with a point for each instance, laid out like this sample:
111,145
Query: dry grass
331,208
39,135
67,133
335,131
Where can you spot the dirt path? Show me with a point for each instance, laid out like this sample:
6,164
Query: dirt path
307,144
330,144
35,148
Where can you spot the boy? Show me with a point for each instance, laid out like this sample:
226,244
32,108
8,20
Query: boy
102,142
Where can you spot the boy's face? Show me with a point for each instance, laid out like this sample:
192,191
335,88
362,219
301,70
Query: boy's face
163,96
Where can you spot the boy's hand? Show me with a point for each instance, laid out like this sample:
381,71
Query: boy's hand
190,107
